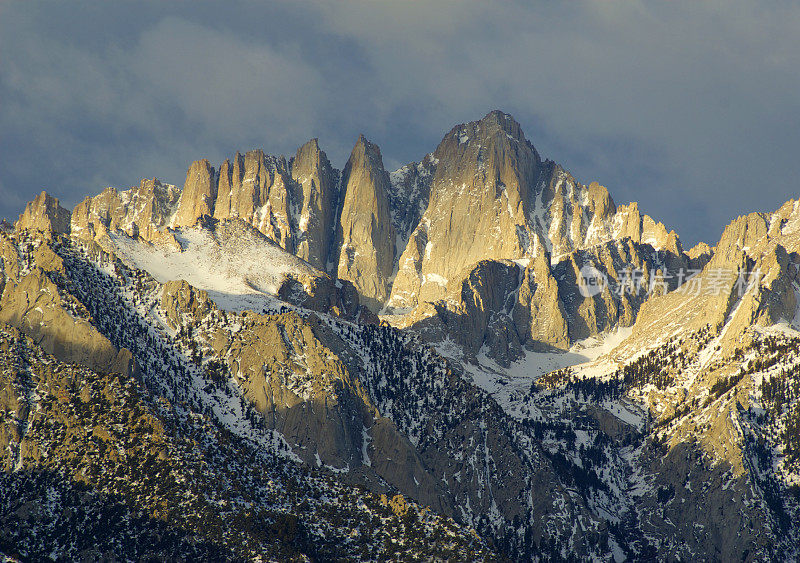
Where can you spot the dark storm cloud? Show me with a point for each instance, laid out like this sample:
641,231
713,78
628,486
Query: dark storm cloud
692,109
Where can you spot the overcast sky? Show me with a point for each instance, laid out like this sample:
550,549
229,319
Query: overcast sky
690,108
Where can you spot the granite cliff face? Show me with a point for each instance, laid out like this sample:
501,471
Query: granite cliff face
198,195
361,356
143,211
483,181
319,181
493,197
44,214
257,188
366,235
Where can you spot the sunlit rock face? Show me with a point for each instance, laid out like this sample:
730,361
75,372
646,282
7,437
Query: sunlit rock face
44,214
493,197
366,237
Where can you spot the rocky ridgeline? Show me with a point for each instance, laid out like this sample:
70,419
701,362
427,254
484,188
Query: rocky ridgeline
94,468
406,241
493,197
45,214
679,442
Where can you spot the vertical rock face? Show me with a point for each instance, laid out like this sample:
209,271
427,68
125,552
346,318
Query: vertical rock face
499,306
485,298
409,193
198,196
224,185
477,206
629,222
739,237
311,169
44,214
230,175
142,211
757,257
250,187
509,305
151,206
259,190
538,313
366,239
570,216
104,209
492,196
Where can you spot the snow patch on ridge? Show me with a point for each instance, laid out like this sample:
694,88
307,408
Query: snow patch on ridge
238,272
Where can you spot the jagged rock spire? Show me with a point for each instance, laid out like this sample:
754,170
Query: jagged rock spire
366,236
44,213
199,194
311,169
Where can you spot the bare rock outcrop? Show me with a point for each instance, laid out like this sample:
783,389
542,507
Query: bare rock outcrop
539,314
500,304
44,213
258,189
629,274
142,211
476,210
31,302
179,298
493,197
324,294
740,237
747,281
509,305
311,169
366,238
198,195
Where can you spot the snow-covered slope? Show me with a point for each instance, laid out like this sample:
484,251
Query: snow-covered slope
236,264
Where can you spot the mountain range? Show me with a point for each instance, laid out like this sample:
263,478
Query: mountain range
474,357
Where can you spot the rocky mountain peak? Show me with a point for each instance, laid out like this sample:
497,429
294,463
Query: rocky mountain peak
310,145
364,150
44,213
477,140
142,211
311,169
493,123
739,237
366,235
480,205
494,143
498,121
199,194
309,158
